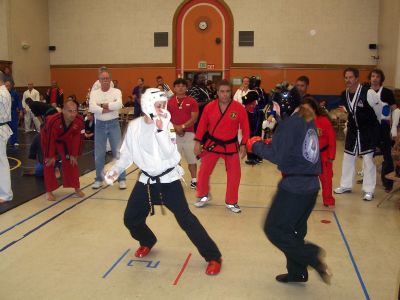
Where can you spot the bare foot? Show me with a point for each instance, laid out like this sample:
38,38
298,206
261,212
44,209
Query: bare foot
79,193
50,197
3,201
57,173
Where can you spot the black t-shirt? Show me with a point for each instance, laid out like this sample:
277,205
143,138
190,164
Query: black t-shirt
40,109
387,96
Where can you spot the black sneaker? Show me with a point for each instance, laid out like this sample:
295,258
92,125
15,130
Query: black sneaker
285,278
250,162
193,185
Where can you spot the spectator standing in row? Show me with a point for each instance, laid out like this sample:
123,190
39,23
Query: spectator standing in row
105,104
184,112
33,94
16,109
55,95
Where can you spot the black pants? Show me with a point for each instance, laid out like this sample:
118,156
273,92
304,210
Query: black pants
138,209
386,149
255,129
286,227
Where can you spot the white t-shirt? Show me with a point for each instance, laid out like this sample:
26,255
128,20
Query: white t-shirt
114,99
239,94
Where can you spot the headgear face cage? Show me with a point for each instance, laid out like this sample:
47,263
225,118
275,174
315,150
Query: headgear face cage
149,98
287,97
252,83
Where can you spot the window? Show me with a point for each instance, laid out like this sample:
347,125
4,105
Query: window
160,39
246,38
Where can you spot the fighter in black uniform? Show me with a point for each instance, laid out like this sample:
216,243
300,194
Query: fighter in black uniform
295,150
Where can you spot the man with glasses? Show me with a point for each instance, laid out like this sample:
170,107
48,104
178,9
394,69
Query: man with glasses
105,104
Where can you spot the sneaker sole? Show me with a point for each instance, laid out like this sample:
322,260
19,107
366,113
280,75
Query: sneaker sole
344,192
236,212
200,204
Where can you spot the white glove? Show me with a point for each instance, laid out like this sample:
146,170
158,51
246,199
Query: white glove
110,177
165,118
375,102
269,124
393,132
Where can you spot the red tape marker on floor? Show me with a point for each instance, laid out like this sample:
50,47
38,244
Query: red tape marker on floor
182,270
325,221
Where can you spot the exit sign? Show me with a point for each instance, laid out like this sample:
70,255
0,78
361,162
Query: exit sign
202,65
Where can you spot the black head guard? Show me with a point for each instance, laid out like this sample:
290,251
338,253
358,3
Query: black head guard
287,97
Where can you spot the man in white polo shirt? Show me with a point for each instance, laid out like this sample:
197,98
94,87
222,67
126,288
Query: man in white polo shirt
105,104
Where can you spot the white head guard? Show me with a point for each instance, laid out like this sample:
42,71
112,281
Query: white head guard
149,98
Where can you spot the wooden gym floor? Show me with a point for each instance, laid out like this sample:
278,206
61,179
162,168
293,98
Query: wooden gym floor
79,248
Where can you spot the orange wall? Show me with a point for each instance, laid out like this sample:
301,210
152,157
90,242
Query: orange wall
322,81
198,44
78,80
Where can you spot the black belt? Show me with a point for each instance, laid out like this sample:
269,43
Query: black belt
324,148
222,143
5,123
66,152
157,186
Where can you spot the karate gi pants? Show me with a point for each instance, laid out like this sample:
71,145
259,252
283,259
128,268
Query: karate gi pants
173,198
5,181
233,173
348,172
14,127
28,117
326,182
70,175
286,227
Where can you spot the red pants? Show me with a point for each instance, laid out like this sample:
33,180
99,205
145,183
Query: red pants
232,165
326,183
70,176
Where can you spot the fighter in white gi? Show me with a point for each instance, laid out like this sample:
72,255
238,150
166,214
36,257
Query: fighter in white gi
150,144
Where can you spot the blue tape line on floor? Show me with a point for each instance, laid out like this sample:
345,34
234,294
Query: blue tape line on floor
116,263
352,258
51,219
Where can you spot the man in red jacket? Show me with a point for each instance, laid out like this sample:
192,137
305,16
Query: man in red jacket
218,128
62,134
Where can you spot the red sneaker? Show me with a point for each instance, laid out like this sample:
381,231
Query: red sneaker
214,267
142,251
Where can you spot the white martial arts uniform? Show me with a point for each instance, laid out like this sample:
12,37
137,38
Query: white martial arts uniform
29,116
150,150
5,133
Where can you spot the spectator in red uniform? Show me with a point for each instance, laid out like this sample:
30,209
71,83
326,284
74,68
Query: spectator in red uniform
62,134
220,121
327,148
55,95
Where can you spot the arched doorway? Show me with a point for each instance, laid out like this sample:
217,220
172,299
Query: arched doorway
203,34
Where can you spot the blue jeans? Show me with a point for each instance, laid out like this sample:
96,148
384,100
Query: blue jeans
104,130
